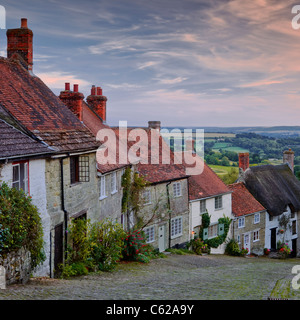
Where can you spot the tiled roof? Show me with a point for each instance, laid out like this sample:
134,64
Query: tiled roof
36,108
275,187
243,202
207,184
153,169
15,144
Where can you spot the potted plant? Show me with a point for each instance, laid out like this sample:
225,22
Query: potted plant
244,251
266,251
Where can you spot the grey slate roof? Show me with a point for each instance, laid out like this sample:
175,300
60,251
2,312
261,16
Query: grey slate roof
14,143
275,187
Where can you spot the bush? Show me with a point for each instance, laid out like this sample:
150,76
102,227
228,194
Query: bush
232,248
20,224
198,246
134,244
106,243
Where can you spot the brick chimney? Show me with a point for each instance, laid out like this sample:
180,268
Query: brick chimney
72,99
288,157
244,161
97,102
19,44
154,125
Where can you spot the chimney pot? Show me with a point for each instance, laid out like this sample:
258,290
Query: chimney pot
67,86
244,161
93,91
24,23
99,91
75,88
154,125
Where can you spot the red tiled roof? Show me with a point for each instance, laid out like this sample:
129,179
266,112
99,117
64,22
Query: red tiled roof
153,169
94,123
207,184
243,202
38,110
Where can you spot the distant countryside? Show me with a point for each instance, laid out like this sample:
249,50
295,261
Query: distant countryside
221,149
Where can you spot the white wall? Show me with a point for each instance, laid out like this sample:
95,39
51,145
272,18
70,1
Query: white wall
215,215
287,237
37,187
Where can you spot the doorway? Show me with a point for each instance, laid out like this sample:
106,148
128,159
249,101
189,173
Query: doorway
247,241
162,238
58,248
273,239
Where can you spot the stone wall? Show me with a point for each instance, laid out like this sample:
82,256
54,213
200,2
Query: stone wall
17,266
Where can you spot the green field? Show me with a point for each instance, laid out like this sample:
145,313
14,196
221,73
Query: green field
227,147
221,170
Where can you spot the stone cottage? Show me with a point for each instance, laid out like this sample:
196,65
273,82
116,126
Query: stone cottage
278,190
66,180
248,225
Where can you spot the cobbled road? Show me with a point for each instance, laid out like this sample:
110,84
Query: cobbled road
176,277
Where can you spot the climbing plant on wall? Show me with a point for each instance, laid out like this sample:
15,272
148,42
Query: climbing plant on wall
223,228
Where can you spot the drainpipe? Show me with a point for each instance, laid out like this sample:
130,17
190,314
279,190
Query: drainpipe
63,203
169,207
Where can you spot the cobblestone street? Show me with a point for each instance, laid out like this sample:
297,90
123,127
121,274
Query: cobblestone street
176,277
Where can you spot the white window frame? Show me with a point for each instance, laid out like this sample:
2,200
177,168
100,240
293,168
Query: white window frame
202,206
17,184
150,234
177,189
241,222
218,202
147,197
102,187
256,218
212,231
238,238
113,183
255,235
176,227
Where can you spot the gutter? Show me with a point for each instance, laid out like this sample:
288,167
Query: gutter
169,207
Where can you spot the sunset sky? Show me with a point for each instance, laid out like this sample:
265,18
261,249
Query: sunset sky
185,63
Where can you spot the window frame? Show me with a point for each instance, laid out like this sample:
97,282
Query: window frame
79,169
102,194
255,219
218,203
241,225
176,227
113,183
150,234
25,166
212,231
255,234
147,198
203,203
177,192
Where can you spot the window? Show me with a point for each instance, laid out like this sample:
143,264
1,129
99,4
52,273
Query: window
202,206
238,238
147,197
177,189
270,218
102,188
294,227
212,231
256,218
256,235
79,169
218,202
176,227
241,222
20,176
150,234
113,182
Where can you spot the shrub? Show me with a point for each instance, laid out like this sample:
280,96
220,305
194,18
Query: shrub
198,246
232,248
21,224
106,243
134,244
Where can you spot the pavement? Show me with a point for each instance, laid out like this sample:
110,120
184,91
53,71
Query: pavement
175,277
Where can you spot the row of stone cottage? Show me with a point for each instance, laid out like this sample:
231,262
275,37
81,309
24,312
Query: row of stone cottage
48,147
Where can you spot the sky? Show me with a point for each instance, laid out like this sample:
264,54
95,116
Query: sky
182,62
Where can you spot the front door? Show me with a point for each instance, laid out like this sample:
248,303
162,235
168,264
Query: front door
58,248
273,239
247,241
161,238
